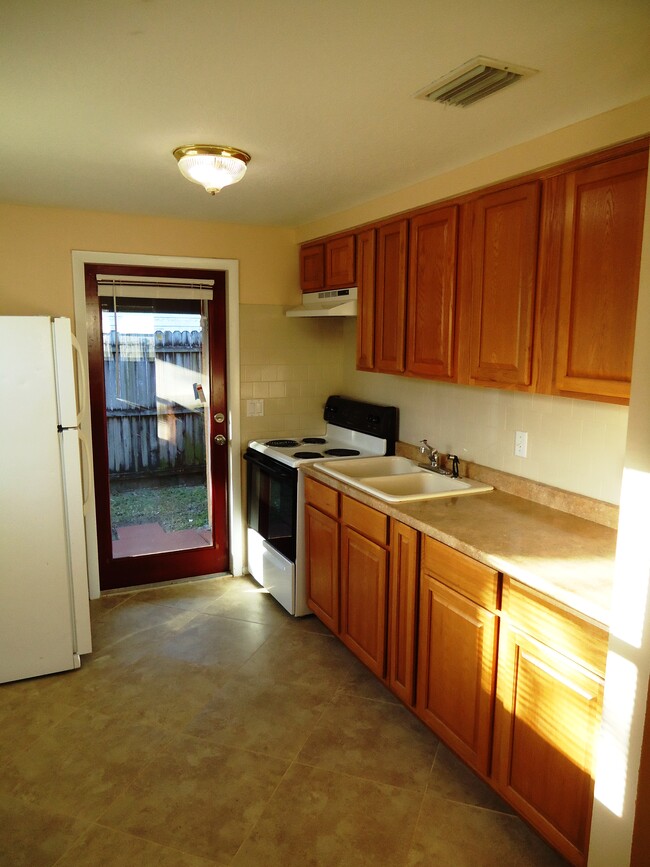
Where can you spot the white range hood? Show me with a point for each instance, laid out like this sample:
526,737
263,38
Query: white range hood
330,302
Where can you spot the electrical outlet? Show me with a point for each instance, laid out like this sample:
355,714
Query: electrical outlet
521,443
254,407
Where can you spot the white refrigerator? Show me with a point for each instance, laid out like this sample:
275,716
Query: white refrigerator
44,608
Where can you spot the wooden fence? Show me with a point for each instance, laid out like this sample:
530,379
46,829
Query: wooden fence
149,384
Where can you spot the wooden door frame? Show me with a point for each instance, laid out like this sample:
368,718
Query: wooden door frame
80,258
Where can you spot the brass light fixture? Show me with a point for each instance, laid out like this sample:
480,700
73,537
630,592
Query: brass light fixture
212,166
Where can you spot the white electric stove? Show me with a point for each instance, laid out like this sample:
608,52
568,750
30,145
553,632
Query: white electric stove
275,507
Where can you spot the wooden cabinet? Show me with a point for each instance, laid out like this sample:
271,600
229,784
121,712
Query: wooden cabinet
329,264
599,277
457,651
322,552
402,610
366,247
364,583
431,330
547,718
390,297
312,267
499,273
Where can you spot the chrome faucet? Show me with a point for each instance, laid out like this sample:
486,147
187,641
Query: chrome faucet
430,453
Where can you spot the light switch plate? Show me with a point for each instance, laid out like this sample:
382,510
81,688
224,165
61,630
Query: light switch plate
255,407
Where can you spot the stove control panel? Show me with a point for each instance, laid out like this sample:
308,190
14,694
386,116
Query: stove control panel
368,418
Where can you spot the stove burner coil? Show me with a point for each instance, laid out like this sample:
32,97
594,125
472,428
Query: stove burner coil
342,453
317,441
307,455
282,444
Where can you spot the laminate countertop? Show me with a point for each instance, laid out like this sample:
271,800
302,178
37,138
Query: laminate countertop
565,557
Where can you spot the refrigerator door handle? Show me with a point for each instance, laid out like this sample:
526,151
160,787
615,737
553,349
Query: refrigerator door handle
83,383
85,448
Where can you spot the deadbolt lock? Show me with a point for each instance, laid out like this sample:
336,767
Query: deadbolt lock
219,417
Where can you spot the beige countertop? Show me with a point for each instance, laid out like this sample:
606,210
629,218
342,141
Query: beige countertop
568,558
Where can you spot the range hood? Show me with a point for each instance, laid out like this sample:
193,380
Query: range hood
330,302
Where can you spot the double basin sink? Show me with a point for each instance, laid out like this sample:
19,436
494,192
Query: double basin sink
395,479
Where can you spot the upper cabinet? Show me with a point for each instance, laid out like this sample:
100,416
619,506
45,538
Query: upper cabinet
530,285
499,272
599,277
366,247
390,296
431,328
330,264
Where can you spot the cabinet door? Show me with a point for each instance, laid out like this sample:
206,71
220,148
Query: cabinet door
340,263
312,267
547,719
433,245
599,278
322,554
500,270
366,299
390,297
364,599
402,610
457,647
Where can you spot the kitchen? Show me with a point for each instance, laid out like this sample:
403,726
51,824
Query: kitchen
293,365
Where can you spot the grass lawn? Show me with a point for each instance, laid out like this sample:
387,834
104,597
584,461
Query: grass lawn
174,507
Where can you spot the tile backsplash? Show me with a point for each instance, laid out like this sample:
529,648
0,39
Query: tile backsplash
294,364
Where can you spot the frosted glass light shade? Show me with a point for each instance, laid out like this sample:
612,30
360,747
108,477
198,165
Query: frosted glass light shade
212,166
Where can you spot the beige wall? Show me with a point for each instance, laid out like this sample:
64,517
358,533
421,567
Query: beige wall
621,124
36,245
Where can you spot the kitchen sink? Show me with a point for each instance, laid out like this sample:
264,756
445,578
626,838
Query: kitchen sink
398,480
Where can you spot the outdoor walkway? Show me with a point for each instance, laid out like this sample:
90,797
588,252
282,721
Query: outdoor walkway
152,539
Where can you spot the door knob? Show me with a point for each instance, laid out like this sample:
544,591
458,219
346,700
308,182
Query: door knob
220,440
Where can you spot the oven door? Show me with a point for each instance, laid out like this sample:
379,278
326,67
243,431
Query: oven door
271,502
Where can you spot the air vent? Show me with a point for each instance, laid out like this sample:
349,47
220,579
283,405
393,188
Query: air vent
474,80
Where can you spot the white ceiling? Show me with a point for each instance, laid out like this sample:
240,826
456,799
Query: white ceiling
94,96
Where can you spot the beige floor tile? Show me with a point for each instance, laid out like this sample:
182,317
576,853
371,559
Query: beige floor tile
26,714
360,681
261,715
34,837
308,623
374,740
301,657
106,847
187,595
466,836
244,599
136,619
452,779
198,797
80,765
159,690
317,818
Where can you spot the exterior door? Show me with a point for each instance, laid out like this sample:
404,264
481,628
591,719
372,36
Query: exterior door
157,365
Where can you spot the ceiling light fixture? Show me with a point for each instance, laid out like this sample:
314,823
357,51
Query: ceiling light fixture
212,166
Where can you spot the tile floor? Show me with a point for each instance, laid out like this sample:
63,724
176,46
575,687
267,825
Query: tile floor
209,727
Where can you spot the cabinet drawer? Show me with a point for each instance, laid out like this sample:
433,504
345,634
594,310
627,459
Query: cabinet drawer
474,580
370,523
323,498
561,630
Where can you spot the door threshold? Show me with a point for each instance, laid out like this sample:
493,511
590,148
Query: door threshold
121,591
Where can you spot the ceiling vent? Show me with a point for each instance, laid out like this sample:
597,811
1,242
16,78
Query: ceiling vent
473,80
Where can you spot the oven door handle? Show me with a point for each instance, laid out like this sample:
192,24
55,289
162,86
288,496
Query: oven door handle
270,465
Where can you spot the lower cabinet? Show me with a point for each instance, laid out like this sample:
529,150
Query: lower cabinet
510,681
457,651
549,703
364,583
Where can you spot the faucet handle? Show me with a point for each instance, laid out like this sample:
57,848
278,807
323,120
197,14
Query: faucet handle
454,465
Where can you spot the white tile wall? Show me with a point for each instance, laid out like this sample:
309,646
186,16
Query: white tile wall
293,364
576,445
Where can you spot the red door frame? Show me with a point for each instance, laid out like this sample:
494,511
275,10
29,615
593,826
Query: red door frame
127,572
